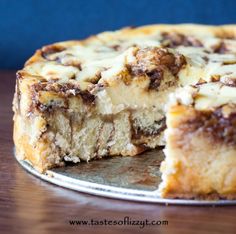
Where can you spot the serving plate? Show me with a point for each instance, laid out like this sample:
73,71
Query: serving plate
128,178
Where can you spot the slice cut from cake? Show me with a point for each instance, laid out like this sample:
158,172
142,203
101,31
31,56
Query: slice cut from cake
108,95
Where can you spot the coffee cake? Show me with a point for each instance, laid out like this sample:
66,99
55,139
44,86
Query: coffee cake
111,94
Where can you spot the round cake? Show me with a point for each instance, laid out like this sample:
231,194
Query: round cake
124,92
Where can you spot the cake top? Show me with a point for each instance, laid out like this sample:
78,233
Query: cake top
192,54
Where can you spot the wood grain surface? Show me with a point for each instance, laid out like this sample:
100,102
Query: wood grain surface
29,205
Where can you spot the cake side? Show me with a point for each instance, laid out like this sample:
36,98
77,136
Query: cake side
201,145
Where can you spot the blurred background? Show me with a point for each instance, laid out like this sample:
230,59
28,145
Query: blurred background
26,25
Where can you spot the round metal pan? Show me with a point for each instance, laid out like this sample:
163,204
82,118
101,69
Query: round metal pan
128,178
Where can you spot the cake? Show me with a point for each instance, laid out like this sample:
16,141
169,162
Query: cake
123,92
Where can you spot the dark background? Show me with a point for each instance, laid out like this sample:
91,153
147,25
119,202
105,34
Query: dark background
26,25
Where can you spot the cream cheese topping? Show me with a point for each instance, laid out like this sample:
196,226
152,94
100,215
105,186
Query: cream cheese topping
105,58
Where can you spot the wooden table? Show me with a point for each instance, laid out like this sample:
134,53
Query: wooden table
29,205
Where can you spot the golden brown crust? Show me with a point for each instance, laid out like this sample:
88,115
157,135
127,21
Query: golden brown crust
37,155
194,196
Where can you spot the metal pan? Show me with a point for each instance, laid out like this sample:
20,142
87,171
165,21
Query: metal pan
128,178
